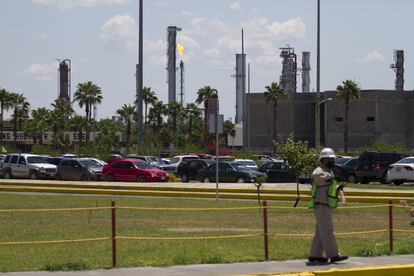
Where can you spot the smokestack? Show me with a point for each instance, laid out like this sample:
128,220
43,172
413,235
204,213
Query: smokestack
289,68
399,70
240,84
182,83
306,72
64,79
171,65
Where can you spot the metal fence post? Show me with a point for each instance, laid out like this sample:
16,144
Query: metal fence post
265,234
390,225
113,215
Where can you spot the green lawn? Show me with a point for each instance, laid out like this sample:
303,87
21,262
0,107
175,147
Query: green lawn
71,225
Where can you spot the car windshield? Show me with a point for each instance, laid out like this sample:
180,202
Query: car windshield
153,160
341,161
409,160
175,160
36,159
142,165
90,163
240,167
247,163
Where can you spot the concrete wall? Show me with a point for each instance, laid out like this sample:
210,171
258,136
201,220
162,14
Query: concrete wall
383,114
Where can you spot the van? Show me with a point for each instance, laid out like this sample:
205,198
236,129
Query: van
373,165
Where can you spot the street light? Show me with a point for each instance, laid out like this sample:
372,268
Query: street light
318,120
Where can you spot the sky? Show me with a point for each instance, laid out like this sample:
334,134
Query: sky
100,38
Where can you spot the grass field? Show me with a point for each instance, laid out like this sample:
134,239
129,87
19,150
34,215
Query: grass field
31,226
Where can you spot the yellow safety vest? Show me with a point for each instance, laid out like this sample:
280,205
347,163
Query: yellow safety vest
332,194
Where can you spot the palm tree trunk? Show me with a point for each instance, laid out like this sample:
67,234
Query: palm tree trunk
190,126
41,138
15,127
87,108
1,123
145,118
274,125
346,126
205,119
128,133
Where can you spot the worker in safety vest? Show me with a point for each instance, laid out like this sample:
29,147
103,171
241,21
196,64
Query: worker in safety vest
324,199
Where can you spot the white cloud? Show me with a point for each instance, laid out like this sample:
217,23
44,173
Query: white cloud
41,36
235,6
372,57
120,32
68,4
205,26
42,72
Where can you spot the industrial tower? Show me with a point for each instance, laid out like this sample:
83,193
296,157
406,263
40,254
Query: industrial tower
398,67
306,72
171,63
64,78
289,69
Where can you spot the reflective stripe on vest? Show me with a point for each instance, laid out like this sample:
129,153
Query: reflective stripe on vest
332,194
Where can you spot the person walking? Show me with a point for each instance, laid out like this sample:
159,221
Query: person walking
324,200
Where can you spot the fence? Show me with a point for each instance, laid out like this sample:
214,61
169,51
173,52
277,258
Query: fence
264,208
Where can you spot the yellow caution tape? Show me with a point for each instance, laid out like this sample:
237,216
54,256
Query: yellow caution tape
364,207
189,238
55,210
53,242
337,234
188,209
403,230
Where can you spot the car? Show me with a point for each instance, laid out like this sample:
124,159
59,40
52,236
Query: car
344,169
152,160
127,169
188,171
228,172
166,161
402,171
27,166
262,159
176,161
277,171
373,165
69,155
248,163
79,169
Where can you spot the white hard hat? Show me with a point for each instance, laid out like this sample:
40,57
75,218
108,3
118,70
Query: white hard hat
327,153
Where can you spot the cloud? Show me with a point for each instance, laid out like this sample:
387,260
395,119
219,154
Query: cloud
235,6
120,33
42,72
68,4
372,57
41,36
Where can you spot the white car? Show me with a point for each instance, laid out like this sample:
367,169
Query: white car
402,171
27,166
176,161
248,163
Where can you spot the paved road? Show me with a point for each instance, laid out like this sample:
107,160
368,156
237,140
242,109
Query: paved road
228,269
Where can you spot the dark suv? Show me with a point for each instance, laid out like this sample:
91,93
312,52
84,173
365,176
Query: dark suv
188,171
373,165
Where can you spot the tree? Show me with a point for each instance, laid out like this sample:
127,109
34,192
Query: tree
273,94
192,112
78,124
204,94
59,115
174,109
5,104
20,111
88,94
127,113
40,120
148,97
348,91
228,129
156,112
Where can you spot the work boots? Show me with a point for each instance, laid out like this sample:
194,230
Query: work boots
312,261
338,258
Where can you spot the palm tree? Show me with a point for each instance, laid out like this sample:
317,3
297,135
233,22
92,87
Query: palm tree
204,94
62,111
174,109
148,97
348,91
127,113
40,120
78,124
156,112
64,107
192,112
5,104
228,129
273,94
20,111
88,94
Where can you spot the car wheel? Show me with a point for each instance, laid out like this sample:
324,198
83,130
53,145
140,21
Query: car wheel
398,182
184,178
7,175
33,175
141,178
240,180
84,178
384,179
206,180
352,179
109,178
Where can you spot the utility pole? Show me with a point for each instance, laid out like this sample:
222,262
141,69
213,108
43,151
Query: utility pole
318,87
139,77
248,109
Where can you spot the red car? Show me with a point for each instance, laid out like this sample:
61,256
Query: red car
124,169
